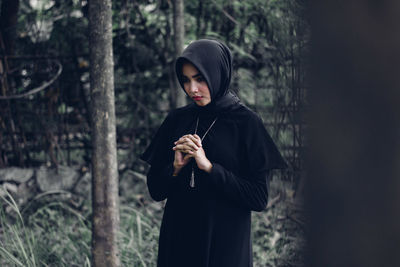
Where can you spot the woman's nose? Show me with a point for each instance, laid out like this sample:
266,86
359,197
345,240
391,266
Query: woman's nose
193,87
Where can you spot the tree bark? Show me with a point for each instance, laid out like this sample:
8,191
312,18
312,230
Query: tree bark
104,159
8,22
178,97
199,19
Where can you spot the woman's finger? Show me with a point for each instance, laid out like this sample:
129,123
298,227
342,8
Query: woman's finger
188,142
192,145
196,140
197,137
184,148
183,139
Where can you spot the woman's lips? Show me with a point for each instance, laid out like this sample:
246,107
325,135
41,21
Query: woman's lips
197,98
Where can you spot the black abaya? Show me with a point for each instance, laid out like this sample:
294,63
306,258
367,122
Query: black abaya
210,225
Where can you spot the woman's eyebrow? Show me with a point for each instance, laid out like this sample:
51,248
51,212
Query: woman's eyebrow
194,76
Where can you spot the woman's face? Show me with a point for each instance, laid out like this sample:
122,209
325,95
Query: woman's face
195,85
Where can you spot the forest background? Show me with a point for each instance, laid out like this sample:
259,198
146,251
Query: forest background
45,123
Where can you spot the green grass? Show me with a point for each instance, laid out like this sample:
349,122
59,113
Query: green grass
57,235
138,238
53,233
17,244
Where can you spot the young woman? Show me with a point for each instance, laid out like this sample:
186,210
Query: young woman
211,160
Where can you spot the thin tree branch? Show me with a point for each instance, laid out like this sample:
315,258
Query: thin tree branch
37,89
227,14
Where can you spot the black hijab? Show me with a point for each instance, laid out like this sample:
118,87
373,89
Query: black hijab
214,61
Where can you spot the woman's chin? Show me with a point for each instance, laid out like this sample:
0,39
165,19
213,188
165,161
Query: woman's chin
202,103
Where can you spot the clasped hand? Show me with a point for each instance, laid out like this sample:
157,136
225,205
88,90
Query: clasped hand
187,147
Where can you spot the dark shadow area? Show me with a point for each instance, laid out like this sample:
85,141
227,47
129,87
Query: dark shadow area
353,164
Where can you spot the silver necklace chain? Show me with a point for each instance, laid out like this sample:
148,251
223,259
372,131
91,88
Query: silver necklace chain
209,128
195,132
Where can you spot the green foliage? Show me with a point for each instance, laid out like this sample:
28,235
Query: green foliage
267,38
277,241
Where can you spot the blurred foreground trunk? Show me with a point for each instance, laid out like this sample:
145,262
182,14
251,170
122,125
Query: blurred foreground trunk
104,158
354,164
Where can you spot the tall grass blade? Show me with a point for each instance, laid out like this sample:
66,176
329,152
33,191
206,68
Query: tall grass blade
10,256
87,262
19,244
139,226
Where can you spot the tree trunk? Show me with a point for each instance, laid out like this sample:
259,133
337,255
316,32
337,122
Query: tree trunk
178,97
8,23
104,158
199,19
354,185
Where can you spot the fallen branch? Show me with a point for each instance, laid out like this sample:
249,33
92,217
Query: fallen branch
274,201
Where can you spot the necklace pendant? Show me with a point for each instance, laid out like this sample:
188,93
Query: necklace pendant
191,184
192,179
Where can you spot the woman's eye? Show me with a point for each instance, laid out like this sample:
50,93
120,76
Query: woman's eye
185,80
200,79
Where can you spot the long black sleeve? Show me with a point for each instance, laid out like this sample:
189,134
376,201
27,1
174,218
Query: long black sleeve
160,181
251,192
159,155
